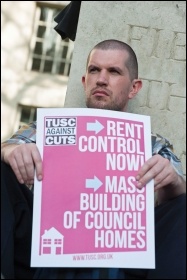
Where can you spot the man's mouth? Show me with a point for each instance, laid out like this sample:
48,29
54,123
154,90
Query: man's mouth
100,93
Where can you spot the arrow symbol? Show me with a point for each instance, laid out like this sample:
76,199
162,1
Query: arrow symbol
93,183
96,126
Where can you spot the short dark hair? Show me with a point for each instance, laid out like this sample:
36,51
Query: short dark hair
112,44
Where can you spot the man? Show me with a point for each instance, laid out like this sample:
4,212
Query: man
111,80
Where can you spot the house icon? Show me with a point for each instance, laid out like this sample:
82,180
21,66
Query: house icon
52,242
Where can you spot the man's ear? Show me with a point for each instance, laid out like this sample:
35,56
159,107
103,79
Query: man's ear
135,88
83,81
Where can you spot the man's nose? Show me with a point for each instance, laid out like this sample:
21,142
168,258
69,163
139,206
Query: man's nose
102,78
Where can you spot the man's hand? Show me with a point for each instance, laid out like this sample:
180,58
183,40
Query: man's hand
166,180
23,159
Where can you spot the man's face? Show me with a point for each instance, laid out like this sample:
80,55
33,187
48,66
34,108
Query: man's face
107,83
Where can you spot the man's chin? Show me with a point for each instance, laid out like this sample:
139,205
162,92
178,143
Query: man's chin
102,105
98,105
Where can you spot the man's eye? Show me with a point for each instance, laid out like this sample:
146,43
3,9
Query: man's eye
93,70
114,71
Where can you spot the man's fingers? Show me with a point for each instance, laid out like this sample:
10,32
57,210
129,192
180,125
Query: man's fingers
23,160
38,163
166,177
157,168
28,166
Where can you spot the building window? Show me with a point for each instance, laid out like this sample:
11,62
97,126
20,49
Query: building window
27,114
46,241
49,53
58,241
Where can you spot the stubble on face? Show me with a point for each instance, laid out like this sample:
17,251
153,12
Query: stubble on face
106,103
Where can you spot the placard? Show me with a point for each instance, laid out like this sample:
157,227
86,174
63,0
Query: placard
88,211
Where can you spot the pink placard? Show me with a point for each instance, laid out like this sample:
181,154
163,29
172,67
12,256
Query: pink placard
89,206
